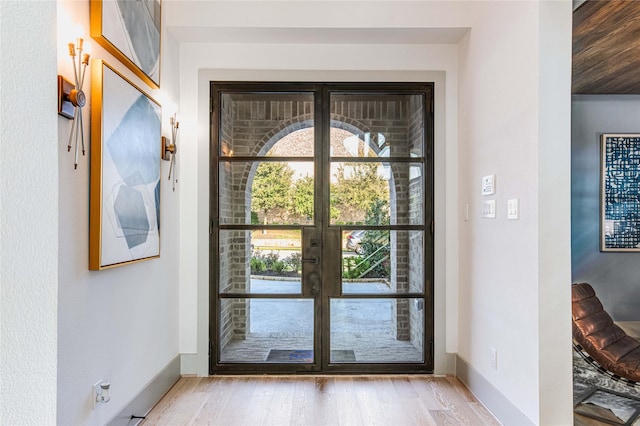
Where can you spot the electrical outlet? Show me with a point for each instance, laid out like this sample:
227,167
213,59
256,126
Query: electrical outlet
95,391
100,393
494,358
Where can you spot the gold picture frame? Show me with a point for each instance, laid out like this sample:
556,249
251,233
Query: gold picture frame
130,31
124,200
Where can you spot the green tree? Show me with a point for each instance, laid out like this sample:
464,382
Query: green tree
271,188
378,213
303,197
358,187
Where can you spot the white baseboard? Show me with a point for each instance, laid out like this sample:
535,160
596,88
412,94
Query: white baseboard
487,394
149,396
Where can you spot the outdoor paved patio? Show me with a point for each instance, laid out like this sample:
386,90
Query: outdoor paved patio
365,326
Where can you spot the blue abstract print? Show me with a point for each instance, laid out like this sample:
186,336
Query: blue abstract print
621,205
129,171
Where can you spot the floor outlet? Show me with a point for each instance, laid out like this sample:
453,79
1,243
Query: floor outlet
494,358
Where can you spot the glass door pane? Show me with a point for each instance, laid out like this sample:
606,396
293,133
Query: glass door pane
321,241
266,192
371,193
376,330
383,262
380,124
273,258
266,330
265,186
377,200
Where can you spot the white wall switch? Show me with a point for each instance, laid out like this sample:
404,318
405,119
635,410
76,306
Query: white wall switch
513,209
466,211
488,185
489,209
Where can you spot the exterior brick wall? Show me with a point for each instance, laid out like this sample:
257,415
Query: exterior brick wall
415,238
225,259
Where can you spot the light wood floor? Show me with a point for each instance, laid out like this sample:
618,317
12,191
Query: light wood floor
385,400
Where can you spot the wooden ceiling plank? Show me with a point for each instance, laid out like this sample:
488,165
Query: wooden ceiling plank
606,47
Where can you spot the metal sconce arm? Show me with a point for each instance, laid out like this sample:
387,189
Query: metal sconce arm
72,97
170,149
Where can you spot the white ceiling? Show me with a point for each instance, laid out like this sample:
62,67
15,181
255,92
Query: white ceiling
318,35
314,22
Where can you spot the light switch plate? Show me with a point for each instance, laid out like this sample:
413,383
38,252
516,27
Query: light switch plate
513,209
488,185
489,209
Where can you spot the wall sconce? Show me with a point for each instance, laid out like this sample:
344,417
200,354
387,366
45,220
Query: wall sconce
71,98
169,148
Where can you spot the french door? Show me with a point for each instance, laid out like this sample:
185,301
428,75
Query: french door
321,227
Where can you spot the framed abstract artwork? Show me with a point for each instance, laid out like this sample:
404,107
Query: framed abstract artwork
124,201
130,31
620,192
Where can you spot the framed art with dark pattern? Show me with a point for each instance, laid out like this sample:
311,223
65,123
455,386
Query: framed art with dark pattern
620,192
124,199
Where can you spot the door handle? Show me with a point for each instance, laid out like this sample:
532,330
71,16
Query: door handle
313,260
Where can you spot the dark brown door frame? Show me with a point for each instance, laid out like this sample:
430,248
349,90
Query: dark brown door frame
330,273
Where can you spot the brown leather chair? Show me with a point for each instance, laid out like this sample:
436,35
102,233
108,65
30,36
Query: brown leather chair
605,342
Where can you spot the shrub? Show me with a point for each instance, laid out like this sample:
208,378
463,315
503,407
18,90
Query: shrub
269,259
375,247
293,262
257,265
278,266
354,267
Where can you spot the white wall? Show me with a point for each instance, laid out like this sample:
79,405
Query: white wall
498,258
554,213
506,99
120,324
28,214
514,276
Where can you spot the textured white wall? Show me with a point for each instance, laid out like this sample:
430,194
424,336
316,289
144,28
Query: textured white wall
120,324
28,214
